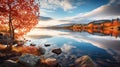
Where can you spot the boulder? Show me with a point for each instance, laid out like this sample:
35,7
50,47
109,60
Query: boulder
9,63
84,61
6,56
51,62
29,60
57,51
41,50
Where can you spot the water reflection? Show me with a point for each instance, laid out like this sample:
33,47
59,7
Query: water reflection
73,49
99,27
104,50
109,32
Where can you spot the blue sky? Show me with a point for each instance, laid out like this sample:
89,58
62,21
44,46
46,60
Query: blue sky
70,7
78,11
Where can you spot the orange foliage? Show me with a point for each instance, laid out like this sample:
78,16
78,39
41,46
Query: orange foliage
116,22
26,49
107,24
90,25
24,15
22,49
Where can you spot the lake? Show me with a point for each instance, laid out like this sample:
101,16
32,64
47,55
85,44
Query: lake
103,49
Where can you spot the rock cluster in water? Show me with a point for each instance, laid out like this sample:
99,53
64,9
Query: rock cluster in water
30,59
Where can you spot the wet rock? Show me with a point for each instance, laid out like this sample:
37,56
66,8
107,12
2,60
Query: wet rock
47,45
51,62
9,63
29,60
41,50
72,65
6,56
4,39
57,51
84,61
32,44
14,58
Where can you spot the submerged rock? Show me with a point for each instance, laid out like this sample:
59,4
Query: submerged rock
32,44
47,45
41,50
84,61
29,60
57,51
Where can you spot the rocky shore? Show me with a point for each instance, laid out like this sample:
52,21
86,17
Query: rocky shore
31,56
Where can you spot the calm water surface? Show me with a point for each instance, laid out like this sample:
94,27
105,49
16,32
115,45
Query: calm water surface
103,49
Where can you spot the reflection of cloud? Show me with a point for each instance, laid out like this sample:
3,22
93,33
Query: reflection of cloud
82,38
38,36
104,42
41,33
63,34
97,41
113,44
67,47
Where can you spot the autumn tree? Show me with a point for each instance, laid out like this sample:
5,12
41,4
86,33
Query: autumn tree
19,16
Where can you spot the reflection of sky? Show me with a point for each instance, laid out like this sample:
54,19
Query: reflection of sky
102,49
81,48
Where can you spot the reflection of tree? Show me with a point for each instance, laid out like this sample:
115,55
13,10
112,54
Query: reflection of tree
115,33
106,28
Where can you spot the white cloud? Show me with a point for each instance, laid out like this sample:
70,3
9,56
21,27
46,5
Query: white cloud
108,11
52,22
45,10
66,5
42,13
54,4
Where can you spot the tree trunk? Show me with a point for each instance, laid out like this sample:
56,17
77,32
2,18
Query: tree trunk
11,30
